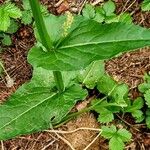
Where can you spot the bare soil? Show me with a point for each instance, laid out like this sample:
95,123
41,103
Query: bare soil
129,68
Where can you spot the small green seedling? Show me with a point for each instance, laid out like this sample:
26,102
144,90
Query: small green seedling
134,107
5,37
145,5
8,26
6,40
105,13
116,138
145,89
8,10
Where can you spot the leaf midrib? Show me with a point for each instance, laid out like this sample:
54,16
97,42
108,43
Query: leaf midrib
95,43
28,110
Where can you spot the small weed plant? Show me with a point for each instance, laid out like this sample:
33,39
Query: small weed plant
145,5
69,53
8,25
12,16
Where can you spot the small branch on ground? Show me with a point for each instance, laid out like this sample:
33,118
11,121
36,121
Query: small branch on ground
97,2
93,141
130,125
59,3
2,145
64,140
72,131
81,7
45,147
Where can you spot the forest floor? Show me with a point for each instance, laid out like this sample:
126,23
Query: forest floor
129,68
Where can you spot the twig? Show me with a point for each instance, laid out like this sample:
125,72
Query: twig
129,6
59,3
82,5
125,6
72,131
2,146
36,141
96,2
127,123
64,140
48,145
93,141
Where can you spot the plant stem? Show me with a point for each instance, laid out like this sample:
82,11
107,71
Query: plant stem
75,114
59,80
87,109
70,117
45,38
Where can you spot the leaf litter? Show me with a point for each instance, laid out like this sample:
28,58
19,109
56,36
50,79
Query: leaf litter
129,68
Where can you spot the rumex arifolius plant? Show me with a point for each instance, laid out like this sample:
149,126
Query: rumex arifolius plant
65,46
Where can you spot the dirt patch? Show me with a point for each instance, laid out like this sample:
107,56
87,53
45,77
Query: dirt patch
15,61
130,68
80,139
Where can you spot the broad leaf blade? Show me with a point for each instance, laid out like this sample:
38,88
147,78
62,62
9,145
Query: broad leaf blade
86,42
35,111
35,107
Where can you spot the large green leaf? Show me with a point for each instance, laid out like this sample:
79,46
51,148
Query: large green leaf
36,110
44,78
35,107
86,41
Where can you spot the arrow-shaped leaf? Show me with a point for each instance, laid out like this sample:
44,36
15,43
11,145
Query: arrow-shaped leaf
86,42
34,107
